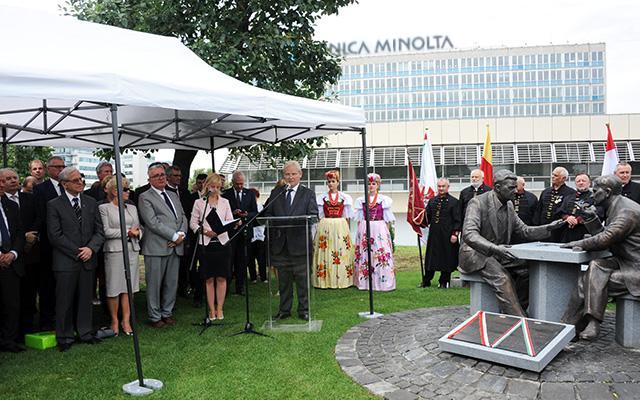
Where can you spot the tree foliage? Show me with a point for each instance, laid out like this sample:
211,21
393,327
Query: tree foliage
268,43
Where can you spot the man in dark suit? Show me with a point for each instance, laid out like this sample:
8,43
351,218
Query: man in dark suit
550,205
489,226
476,188
174,184
244,205
75,231
630,188
43,193
96,190
288,247
30,256
11,272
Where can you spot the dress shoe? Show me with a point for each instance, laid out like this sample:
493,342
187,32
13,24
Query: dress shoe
443,286
282,315
592,330
62,347
158,324
91,340
304,316
169,321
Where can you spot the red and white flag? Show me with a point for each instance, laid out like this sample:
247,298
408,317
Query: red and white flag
415,208
428,179
611,159
486,164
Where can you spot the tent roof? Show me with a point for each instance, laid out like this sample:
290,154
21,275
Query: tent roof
59,76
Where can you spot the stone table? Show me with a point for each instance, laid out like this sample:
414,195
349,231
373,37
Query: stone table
553,275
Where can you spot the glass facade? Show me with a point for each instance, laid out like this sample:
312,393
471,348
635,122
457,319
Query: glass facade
510,82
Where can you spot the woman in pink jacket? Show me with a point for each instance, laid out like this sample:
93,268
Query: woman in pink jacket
214,257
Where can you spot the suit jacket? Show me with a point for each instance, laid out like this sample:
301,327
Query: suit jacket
110,215
30,220
139,190
481,232
621,236
43,193
304,203
16,233
224,212
248,204
160,223
96,191
66,235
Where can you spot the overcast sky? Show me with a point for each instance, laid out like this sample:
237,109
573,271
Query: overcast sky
492,23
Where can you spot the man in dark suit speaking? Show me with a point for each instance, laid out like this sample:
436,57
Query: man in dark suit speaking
288,247
76,234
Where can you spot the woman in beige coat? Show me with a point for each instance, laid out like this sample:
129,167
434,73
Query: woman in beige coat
117,296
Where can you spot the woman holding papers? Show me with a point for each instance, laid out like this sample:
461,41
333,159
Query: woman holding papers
215,259
383,269
332,247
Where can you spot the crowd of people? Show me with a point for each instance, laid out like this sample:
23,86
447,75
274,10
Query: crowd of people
61,247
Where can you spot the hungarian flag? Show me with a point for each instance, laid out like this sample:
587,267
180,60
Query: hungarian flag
486,164
415,210
610,156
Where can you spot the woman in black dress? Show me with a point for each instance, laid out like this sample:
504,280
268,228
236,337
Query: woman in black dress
214,257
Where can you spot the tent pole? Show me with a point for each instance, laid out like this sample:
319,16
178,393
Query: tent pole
5,160
213,157
140,386
370,313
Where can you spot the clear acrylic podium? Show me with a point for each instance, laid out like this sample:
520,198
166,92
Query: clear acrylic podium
293,323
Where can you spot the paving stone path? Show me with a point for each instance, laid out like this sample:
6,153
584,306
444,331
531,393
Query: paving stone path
397,357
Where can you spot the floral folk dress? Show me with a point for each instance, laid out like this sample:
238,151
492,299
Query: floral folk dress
333,249
384,271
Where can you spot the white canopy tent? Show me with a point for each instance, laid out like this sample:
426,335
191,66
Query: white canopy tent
60,75
70,83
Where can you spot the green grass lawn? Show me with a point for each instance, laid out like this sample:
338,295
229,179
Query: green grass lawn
214,365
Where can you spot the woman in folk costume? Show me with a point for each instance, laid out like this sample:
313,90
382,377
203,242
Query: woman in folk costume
380,217
332,247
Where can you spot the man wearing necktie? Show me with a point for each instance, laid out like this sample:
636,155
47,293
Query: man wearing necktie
31,255
288,248
244,205
43,193
165,224
11,272
75,232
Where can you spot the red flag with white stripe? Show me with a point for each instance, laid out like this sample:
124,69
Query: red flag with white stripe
611,159
428,178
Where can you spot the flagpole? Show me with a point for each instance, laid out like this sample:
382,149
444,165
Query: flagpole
422,267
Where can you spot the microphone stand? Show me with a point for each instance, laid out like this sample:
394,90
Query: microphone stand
206,322
248,326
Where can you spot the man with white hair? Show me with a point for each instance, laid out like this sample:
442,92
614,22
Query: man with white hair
244,205
549,207
476,188
289,246
630,188
442,215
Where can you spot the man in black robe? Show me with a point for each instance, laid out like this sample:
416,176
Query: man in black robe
524,202
630,188
551,199
442,214
476,188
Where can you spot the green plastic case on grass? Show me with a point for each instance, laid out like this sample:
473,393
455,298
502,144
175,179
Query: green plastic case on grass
40,340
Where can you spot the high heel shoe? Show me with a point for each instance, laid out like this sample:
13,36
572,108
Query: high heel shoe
127,333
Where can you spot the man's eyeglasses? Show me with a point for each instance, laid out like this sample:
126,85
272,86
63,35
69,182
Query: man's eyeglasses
77,180
157,176
57,166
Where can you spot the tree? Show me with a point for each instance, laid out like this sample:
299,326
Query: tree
267,43
19,157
